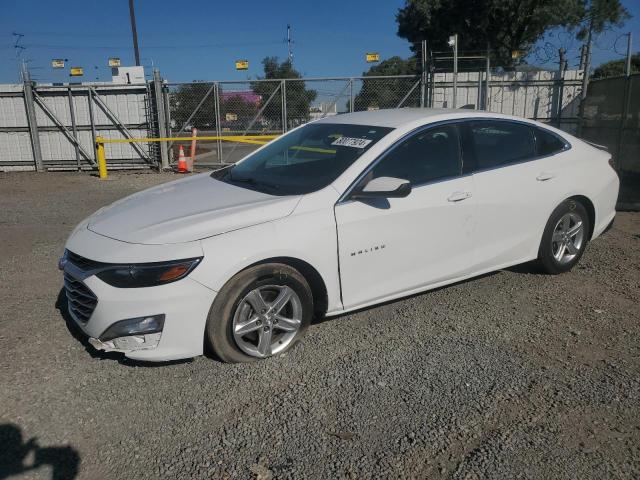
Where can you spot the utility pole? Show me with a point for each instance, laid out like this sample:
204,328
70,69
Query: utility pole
453,42
289,44
562,53
627,69
134,32
585,76
587,60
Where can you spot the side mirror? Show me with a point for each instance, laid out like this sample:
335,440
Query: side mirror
384,187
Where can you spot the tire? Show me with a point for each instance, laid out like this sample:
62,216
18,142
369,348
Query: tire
245,316
571,238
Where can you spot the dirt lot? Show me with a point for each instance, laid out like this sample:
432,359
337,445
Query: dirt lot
512,375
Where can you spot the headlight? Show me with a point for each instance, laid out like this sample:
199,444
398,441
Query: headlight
147,274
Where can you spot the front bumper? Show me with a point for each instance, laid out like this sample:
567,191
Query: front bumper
184,303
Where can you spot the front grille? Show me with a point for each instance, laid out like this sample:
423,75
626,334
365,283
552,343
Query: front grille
83,263
82,301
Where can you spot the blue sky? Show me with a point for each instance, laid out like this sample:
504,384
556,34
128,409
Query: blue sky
201,39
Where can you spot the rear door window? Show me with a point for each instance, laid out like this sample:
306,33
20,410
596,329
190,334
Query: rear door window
499,143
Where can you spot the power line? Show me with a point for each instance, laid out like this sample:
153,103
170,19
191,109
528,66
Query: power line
49,46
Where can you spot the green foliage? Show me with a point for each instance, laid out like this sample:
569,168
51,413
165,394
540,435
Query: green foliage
244,111
184,101
600,14
388,93
616,68
395,66
506,25
298,97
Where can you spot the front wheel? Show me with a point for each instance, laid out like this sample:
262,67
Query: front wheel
260,312
565,237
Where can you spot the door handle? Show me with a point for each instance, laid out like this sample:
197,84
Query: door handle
544,176
458,196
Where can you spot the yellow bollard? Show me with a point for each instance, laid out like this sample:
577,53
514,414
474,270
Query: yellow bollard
102,161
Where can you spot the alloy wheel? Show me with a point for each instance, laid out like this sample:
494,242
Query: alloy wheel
567,238
267,320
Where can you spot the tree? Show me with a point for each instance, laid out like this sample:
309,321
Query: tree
598,15
388,93
505,25
238,106
616,68
298,97
184,101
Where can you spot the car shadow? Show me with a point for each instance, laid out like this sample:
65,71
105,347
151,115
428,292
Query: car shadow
81,337
18,456
531,268
321,319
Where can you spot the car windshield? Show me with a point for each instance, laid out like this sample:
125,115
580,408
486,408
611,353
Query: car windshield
305,160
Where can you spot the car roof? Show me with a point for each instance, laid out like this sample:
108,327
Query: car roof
397,117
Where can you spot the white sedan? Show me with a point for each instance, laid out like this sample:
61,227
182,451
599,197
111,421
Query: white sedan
336,215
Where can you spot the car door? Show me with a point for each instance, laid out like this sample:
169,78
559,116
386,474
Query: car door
513,188
392,245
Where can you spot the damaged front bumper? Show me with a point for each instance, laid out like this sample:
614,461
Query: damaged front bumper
127,344
184,305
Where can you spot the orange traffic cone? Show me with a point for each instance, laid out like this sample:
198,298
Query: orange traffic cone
182,162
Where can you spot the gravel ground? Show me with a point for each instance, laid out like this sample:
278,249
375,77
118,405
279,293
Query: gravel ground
511,375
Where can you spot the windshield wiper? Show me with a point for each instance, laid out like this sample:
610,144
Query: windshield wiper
252,181
249,180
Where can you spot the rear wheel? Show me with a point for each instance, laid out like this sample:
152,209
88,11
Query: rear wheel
260,312
565,237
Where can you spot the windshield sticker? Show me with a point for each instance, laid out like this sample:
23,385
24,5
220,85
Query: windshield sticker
351,142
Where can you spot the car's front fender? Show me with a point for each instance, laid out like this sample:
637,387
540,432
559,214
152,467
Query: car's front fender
306,236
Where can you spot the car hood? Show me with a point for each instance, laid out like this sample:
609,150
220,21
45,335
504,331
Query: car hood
187,210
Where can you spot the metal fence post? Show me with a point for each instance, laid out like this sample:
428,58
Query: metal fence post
283,91
30,109
563,66
423,73
167,117
160,118
487,80
74,127
216,109
455,70
623,120
627,65
92,120
351,98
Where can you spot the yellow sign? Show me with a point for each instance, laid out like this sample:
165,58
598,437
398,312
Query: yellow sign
57,63
76,71
114,62
242,64
231,117
373,57
515,54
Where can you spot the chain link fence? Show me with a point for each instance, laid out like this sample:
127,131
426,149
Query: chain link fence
261,106
265,107
611,117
